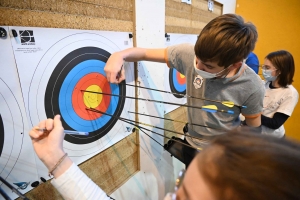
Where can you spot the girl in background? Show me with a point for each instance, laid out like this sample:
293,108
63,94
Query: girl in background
280,97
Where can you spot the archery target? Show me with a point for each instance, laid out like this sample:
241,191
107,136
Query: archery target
69,68
11,130
175,82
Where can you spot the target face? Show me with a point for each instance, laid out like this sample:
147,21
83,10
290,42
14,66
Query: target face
174,81
177,83
65,81
11,130
17,161
79,71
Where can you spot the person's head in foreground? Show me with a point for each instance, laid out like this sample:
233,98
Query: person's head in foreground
244,166
279,68
223,44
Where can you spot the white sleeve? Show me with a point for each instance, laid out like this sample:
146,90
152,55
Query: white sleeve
289,103
73,184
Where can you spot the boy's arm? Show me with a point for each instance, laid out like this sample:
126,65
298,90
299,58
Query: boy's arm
254,121
114,63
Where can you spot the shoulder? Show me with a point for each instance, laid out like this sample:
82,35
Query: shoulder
250,76
182,48
292,91
181,53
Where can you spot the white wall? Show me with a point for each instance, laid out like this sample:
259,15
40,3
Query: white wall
228,5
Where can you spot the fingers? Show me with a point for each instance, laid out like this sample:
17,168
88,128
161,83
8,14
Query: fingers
58,125
35,133
57,122
113,68
112,76
107,76
122,75
49,124
42,124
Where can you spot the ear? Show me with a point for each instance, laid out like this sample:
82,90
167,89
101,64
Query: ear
236,65
278,72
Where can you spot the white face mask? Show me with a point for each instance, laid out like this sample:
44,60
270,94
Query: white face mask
267,74
205,74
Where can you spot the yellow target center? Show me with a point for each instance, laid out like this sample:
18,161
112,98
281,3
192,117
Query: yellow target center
182,76
92,100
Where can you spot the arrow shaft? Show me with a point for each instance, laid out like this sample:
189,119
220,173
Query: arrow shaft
98,111
140,127
150,100
179,94
171,120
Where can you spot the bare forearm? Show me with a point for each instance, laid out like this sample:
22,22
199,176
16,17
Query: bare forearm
254,121
139,54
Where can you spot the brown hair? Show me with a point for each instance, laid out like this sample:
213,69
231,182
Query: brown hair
284,62
250,166
227,39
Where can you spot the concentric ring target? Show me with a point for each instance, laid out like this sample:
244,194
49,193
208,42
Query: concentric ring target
174,81
75,63
177,83
11,130
83,69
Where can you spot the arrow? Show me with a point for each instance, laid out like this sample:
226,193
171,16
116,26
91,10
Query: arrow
173,120
229,104
139,127
209,108
145,124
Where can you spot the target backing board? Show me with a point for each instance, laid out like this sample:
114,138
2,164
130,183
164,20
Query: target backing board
175,82
57,67
17,157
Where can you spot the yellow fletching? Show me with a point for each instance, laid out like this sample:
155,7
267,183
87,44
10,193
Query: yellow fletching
228,104
212,107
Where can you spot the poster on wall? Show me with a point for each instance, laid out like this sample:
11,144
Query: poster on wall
62,72
175,82
17,157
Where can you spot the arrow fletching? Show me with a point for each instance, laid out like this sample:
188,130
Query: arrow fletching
210,108
229,104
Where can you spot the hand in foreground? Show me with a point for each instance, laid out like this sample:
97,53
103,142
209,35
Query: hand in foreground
115,73
49,146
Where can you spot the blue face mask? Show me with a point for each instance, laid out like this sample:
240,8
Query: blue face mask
268,75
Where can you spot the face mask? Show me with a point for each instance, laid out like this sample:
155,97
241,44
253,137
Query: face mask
205,74
268,75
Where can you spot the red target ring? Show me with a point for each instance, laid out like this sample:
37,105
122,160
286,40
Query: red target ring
81,100
180,78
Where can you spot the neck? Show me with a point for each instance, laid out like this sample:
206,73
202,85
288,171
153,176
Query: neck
275,84
233,72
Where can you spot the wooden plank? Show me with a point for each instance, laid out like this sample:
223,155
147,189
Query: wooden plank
13,17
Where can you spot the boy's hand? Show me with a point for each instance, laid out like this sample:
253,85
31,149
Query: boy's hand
115,73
